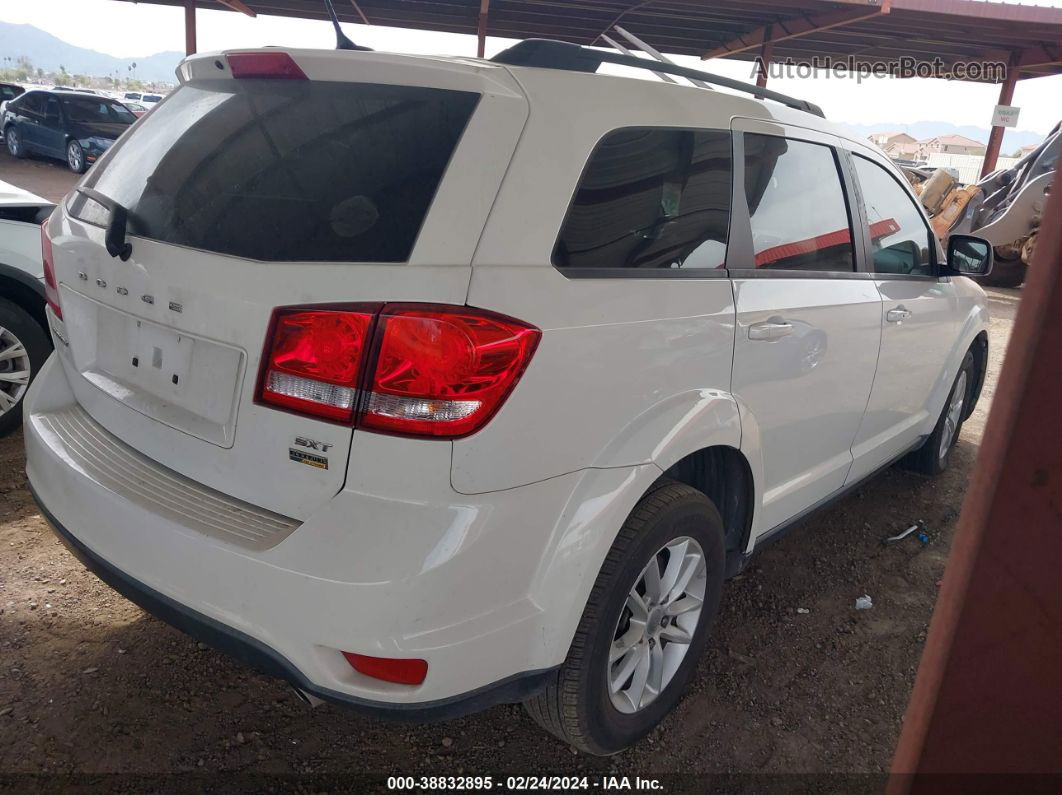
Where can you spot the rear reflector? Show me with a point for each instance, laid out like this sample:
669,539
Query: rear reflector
51,286
411,369
265,65
402,672
313,360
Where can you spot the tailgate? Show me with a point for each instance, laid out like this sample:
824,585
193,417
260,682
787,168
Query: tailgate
248,195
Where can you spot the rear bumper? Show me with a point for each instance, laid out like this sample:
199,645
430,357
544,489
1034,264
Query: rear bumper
270,662
417,572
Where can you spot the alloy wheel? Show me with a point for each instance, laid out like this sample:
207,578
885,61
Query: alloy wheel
656,625
15,370
74,156
12,141
954,415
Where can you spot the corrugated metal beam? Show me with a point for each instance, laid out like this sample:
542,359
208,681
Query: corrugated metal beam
792,28
238,5
617,46
361,13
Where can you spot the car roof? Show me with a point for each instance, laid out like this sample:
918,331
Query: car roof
66,92
544,86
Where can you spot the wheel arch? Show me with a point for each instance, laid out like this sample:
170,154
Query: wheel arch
24,290
979,349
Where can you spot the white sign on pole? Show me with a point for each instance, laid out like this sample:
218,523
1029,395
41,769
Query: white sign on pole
1005,116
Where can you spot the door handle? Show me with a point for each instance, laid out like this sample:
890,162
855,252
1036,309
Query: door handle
770,330
898,315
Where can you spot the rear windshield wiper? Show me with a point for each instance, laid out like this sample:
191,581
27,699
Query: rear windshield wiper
117,245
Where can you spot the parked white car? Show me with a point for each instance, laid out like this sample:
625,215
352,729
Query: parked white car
478,387
24,342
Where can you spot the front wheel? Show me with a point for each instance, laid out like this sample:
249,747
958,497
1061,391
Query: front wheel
75,157
644,626
933,456
23,349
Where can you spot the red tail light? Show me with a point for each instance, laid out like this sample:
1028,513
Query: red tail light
313,360
403,672
443,371
432,370
51,286
265,65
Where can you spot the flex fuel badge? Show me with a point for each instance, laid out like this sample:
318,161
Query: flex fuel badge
304,456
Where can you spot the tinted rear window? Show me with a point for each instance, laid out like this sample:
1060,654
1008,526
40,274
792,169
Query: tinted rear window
651,198
286,170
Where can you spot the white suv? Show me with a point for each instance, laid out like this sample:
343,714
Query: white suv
432,383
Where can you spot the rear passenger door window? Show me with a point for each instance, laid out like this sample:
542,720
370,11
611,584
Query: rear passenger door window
797,209
651,199
33,105
901,242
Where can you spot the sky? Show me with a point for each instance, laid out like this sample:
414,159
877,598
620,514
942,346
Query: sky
133,30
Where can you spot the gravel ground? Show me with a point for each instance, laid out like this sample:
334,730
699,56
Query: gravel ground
90,685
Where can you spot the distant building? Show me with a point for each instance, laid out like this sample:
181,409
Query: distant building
950,145
902,150
886,139
1022,151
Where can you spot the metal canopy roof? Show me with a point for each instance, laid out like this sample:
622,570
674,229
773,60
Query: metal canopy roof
871,31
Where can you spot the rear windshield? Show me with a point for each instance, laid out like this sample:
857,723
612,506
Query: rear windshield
285,170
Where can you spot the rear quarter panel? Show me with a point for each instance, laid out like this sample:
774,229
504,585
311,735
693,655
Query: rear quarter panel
624,363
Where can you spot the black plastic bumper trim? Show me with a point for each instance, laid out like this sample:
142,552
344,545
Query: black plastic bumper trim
261,657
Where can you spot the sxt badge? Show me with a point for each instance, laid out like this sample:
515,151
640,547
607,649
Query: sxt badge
304,457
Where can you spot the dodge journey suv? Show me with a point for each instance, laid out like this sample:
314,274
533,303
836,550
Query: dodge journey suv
478,387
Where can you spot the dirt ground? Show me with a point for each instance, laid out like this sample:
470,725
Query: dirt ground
91,685
49,179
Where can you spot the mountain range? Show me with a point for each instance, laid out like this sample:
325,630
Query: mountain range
921,130
47,52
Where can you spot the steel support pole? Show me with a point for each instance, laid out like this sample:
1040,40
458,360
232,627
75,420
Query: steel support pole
988,696
766,49
481,33
189,27
995,138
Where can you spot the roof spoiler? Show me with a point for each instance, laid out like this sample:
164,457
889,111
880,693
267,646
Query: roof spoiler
551,54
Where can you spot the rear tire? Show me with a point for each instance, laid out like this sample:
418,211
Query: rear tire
13,138
581,705
75,157
933,456
24,347
1005,273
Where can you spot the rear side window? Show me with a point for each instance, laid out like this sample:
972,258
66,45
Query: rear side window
797,208
32,103
900,240
286,170
651,198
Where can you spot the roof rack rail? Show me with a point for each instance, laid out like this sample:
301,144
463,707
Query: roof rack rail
551,54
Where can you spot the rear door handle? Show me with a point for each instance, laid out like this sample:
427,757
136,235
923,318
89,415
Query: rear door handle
770,330
897,315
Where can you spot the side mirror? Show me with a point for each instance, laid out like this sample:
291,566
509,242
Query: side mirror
969,255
